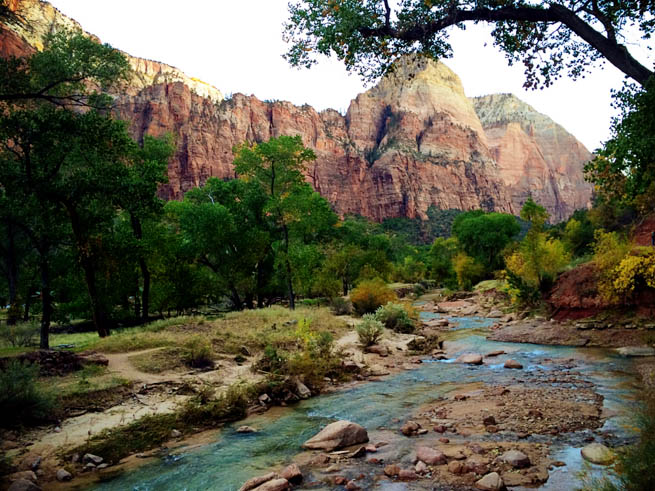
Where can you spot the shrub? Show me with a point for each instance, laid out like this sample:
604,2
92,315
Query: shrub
21,398
22,334
198,353
395,317
341,306
371,294
370,330
634,273
610,249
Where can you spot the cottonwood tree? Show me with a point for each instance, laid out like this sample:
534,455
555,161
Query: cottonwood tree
277,166
549,37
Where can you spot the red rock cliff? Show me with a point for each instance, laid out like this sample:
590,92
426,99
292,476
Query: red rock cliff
406,144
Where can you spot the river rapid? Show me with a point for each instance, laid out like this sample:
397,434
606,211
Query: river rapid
382,406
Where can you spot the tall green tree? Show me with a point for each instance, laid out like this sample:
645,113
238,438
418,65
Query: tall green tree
483,236
277,166
549,37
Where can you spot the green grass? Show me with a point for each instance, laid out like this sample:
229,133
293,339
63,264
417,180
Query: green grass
166,359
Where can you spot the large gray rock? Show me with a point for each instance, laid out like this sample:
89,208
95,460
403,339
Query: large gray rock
23,485
64,475
470,358
89,458
635,351
491,482
337,435
302,390
516,459
430,456
597,453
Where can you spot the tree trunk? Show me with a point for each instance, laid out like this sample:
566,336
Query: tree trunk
145,272
46,303
292,297
344,281
260,285
12,276
100,320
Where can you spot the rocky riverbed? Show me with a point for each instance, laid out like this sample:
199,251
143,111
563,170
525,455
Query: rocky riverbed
432,423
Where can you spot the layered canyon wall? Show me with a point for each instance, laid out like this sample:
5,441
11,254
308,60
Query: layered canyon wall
413,141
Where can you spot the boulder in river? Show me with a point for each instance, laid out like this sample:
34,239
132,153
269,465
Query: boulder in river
516,459
513,364
597,453
292,474
491,482
337,435
470,359
410,428
257,481
64,475
274,485
430,456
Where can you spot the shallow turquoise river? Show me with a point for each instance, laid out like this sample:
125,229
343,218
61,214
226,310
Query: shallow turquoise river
381,406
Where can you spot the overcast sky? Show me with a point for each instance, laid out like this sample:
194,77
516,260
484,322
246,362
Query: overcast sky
237,47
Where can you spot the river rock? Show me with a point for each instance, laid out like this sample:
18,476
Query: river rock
430,456
635,351
64,475
495,353
516,459
489,420
476,464
292,474
23,485
378,349
421,467
89,458
495,314
257,481
246,429
513,364
392,470
352,486
302,390
274,485
470,358
176,433
456,467
491,482
337,435
597,453
410,428
407,475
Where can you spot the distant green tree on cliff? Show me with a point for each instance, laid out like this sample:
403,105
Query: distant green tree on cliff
549,37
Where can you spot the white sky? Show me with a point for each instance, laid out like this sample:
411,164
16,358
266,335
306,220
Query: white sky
236,45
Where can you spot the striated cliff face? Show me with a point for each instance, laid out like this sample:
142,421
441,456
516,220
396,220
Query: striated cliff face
413,141
535,155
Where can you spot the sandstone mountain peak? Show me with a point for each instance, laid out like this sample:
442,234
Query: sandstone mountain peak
411,142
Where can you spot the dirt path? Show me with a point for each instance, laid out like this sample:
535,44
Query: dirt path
120,365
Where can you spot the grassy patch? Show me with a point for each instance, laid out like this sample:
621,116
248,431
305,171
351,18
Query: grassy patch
163,360
152,431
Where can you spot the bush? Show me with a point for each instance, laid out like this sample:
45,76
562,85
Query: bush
22,334
371,294
21,398
370,330
198,353
395,317
341,306
610,249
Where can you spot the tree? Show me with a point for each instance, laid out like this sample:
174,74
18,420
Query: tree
549,37
624,169
441,255
277,166
484,235
223,225
72,70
